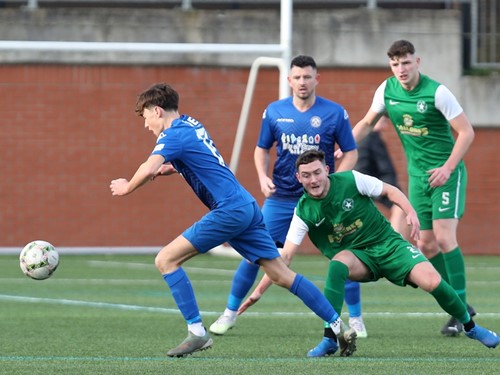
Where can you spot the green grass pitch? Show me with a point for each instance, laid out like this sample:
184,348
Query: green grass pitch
113,314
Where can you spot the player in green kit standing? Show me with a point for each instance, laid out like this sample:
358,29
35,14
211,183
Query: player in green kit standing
424,114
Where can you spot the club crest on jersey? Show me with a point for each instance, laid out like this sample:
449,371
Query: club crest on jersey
347,204
421,106
315,121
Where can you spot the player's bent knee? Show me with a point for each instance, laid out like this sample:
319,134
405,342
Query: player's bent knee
432,283
164,264
425,276
159,263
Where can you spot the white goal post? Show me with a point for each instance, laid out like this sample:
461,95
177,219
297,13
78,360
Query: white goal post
283,49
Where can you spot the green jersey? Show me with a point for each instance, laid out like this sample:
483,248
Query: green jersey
420,122
347,218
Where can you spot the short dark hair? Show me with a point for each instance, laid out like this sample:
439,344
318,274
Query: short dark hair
400,48
309,156
161,95
302,61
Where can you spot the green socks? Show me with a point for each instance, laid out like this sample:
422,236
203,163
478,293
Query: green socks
455,267
334,286
451,302
439,264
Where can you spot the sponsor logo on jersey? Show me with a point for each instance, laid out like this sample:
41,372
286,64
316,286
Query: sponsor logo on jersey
297,144
285,120
408,129
393,102
340,231
408,120
413,131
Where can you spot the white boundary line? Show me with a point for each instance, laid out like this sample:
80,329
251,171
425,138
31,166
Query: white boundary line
125,307
91,250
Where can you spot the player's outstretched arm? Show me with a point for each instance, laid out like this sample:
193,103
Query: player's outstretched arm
144,173
165,170
287,254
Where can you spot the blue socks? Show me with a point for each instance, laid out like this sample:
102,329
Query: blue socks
313,298
353,298
183,294
243,279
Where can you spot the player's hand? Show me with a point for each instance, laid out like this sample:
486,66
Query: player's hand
338,154
119,186
165,170
414,224
249,302
267,187
438,176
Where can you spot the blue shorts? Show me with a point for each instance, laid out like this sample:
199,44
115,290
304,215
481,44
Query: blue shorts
278,215
242,227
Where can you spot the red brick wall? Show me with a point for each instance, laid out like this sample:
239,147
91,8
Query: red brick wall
67,131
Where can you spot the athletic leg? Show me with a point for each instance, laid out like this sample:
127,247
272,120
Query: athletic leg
353,304
277,216
310,295
168,262
344,265
453,261
214,228
427,278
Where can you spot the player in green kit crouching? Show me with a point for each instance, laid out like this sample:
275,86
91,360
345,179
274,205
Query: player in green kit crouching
339,215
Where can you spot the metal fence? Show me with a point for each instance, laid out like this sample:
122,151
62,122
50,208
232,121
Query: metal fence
481,20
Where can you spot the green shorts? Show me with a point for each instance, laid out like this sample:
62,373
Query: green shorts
443,202
393,259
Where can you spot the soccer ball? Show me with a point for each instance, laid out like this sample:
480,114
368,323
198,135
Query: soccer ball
38,260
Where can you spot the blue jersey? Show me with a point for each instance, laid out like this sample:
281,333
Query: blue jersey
187,145
294,132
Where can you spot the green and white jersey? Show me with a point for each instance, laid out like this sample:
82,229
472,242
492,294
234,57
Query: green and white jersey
347,218
421,119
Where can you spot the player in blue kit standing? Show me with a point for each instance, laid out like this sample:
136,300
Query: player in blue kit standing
295,124
184,146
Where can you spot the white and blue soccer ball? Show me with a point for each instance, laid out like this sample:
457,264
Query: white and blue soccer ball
39,259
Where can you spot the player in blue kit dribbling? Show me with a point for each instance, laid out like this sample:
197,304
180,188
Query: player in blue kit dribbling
184,146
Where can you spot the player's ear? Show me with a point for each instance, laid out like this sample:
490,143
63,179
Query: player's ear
327,169
298,176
